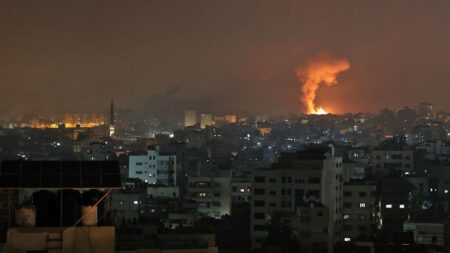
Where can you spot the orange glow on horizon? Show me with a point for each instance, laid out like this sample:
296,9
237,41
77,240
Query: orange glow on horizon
43,125
320,111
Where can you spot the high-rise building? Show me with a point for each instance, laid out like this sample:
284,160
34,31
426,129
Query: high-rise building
190,118
154,167
425,110
384,162
206,119
212,194
359,210
296,180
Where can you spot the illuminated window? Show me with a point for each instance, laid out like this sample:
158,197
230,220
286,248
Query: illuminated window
389,206
346,216
135,202
347,239
401,206
362,205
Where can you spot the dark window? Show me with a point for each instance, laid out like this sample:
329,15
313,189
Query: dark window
289,179
272,193
314,180
260,239
260,203
305,234
259,191
347,194
397,156
272,180
259,216
300,180
314,193
283,179
347,205
260,179
259,227
392,165
305,219
362,194
347,227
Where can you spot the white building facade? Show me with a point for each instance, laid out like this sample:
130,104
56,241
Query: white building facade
153,167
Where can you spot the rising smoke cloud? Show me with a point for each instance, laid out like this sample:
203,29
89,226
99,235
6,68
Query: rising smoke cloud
322,68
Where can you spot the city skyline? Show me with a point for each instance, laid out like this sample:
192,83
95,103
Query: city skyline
255,126
166,57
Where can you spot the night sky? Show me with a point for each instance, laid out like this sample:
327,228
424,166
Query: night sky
219,56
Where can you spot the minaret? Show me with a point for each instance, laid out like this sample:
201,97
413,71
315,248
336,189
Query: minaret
112,116
112,120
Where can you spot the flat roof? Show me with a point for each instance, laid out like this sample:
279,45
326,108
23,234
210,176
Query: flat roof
24,174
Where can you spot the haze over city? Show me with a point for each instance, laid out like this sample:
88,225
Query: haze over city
59,56
181,126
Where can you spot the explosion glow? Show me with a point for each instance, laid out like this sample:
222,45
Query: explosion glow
320,111
323,68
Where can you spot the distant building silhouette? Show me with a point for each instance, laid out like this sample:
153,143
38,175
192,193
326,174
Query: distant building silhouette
112,120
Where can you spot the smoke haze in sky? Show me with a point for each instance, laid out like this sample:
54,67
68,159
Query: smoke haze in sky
219,56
